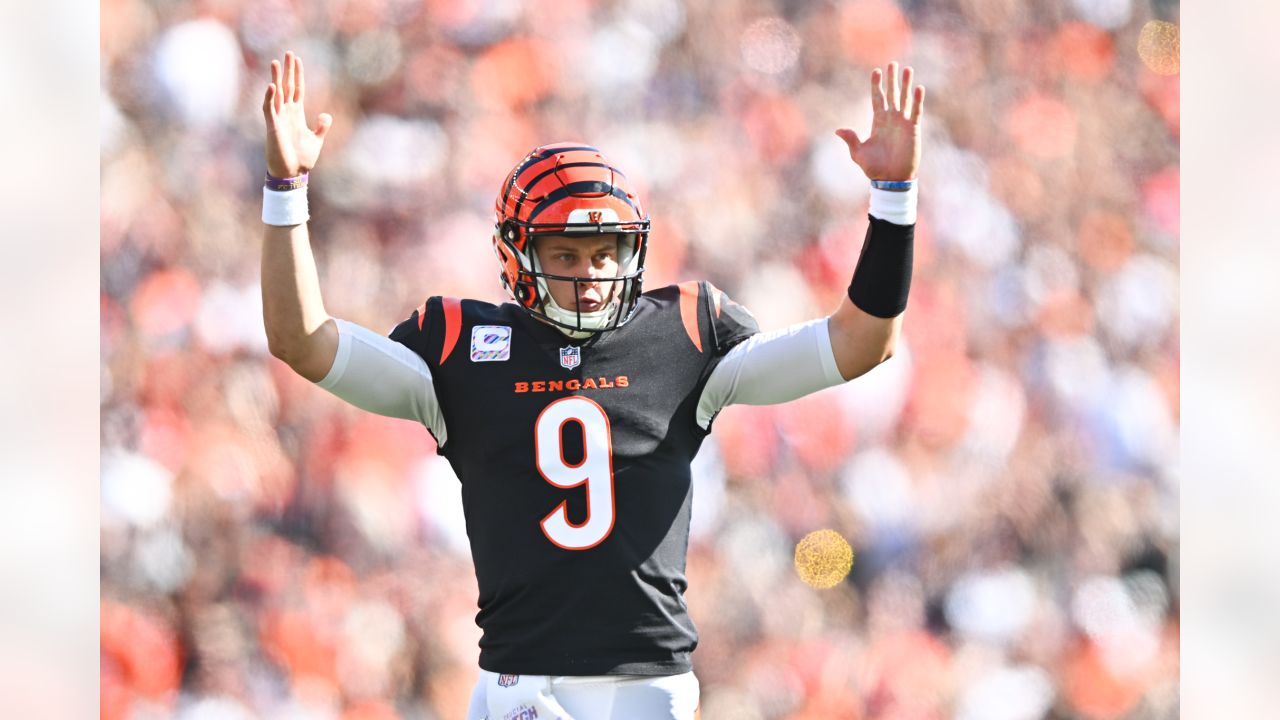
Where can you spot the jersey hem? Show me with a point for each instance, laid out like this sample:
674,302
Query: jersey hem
540,666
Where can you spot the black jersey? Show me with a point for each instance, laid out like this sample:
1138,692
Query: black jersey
574,460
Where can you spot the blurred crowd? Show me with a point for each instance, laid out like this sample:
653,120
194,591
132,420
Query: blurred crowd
1008,481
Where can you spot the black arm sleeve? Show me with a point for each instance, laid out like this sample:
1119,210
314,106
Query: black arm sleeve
882,278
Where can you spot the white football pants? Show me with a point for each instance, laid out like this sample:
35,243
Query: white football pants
600,697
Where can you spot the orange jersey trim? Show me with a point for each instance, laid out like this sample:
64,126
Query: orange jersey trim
689,312
452,326
422,314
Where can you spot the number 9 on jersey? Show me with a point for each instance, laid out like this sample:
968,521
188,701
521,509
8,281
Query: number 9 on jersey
595,470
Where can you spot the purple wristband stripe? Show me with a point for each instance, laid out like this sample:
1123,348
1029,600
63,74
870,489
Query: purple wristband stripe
283,184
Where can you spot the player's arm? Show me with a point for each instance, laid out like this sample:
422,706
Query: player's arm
299,330
776,367
865,328
372,372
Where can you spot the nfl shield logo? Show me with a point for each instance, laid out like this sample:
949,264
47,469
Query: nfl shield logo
570,357
508,680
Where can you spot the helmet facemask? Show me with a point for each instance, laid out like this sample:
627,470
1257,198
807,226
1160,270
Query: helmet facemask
620,292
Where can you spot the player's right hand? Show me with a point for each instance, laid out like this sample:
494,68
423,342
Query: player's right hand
292,148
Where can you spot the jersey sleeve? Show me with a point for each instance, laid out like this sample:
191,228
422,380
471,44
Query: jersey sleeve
731,323
771,368
415,332
382,376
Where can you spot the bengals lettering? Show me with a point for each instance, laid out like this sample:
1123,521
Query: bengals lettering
573,385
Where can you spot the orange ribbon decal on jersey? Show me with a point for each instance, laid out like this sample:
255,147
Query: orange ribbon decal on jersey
689,312
452,326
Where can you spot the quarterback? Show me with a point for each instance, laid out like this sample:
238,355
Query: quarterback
572,412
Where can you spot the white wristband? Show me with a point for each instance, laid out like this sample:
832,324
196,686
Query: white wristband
283,208
897,207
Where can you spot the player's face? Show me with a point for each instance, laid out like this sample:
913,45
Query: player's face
585,256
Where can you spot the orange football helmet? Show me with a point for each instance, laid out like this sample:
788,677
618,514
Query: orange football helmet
568,189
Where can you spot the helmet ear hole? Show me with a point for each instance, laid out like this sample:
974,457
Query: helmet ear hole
510,232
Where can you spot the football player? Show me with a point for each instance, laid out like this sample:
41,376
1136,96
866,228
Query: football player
571,413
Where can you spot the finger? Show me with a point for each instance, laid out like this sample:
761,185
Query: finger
275,83
877,92
907,76
286,87
323,124
894,102
851,139
917,107
268,104
301,90
293,79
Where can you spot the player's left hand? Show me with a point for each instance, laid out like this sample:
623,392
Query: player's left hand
892,151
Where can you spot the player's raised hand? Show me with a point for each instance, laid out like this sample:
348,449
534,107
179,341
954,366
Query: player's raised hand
892,152
292,148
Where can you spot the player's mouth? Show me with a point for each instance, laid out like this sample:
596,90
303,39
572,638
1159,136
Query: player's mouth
587,305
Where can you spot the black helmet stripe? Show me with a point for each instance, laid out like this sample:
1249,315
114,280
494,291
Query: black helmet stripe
536,156
524,191
577,188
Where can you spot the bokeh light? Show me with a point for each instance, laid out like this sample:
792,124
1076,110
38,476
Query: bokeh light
823,559
770,45
1158,46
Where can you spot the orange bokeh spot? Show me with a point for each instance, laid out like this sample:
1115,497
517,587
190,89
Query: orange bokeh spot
776,127
513,73
294,641
1091,689
874,32
739,430
165,435
1043,126
143,653
165,301
1084,51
